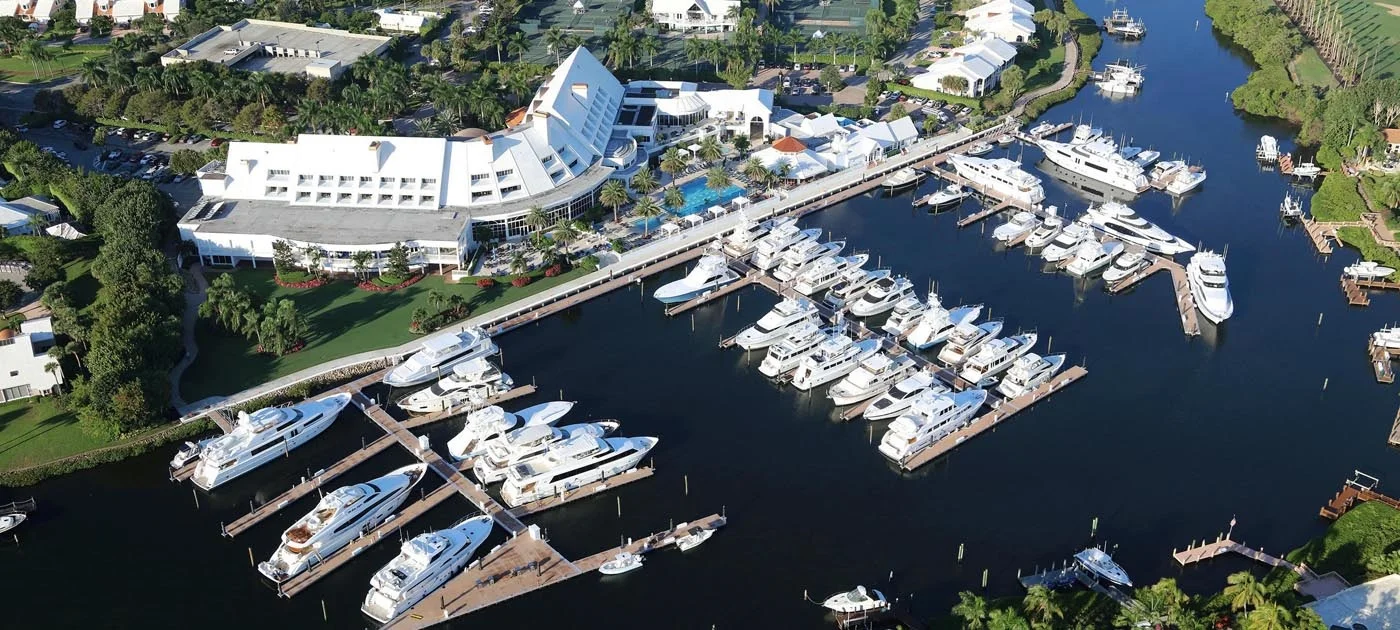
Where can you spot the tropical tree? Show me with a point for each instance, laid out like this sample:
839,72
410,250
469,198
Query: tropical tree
564,234
1244,592
556,41
717,178
754,170
644,181
673,162
673,198
710,149
953,84
1007,619
614,195
359,261
1270,616
1013,80
647,209
972,609
1039,604
519,262
537,219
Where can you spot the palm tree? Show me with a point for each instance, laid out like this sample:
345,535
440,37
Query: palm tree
538,218
437,300
37,53
972,608
613,194
647,209
519,263
564,234
1244,592
673,198
1270,616
754,170
717,178
1040,605
710,149
555,40
1007,619
517,44
694,50
37,222
644,182
648,46
360,262
673,161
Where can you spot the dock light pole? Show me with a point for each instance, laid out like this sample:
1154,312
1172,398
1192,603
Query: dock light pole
1232,527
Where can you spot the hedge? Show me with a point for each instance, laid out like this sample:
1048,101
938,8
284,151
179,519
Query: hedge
105,455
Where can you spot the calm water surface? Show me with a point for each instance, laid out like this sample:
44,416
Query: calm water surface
1166,439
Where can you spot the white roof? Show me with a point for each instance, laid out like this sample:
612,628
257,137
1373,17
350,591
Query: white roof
1000,7
1003,24
584,96
717,210
1375,604
805,165
64,231
741,201
712,8
693,219
992,49
890,133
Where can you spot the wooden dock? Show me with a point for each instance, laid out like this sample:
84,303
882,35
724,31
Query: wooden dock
1380,362
1319,234
1185,303
1126,283
1223,545
984,213
744,281
418,421
592,489
1356,296
1359,489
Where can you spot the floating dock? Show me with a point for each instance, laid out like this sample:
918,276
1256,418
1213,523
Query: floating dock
1319,234
1380,362
1185,303
984,213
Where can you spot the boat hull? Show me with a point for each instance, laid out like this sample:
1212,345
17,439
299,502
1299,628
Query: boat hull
245,465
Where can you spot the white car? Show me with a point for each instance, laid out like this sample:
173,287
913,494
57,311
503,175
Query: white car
59,124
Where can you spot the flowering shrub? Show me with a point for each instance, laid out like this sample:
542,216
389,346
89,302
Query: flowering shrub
370,286
520,281
553,271
485,283
308,284
295,348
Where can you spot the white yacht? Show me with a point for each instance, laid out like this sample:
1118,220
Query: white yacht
469,383
948,196
621,563
788,353
1000,176
1020,223
907,313
424,563
996,356
11,521
797,259
571,464
980,149
853,286
338,518
1291,208
903,394
742,241
498,454
877,373
775,325
1067,241
836,357
1041,128
438,356
1028,373
928,420
1046,231
882,296
769,251
1307,169
1126,264
1097,562
262,436
1209,286
1092,256
936,324
712,272
1388,338
966,340
488,422
693,537
1120,78
904,178
1186,179
856,600
827,272
1099,160
1267,151
1124,223
1368,270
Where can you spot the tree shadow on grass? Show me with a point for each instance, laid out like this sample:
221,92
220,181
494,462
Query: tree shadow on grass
57,421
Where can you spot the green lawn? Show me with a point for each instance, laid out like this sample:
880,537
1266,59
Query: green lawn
1374,26
35,430
64,63
1309,71
1370,529
344,320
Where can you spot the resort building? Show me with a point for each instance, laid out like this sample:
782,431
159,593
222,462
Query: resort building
17,217
36,11
979,63
1392,141
24,361
405,21
705,16
841,143
263,46
123,12
1009,20
792,159
1375,604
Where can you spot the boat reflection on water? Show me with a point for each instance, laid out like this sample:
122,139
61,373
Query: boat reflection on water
1083,187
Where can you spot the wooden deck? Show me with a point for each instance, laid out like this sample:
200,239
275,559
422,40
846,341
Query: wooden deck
1381,363
985,212
418,421
1356,296
1185,303
1129,282
743,282
1319,233
1354,491
1200,553
593,489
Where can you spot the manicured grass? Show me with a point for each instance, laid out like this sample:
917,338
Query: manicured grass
1361,239
64,63
35,430
1309,71
1337,200
344,320
1374,26
1042,65
1368,530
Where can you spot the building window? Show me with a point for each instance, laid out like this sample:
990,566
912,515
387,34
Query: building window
480,194
505,173
11,393
509,189
548,159
6,342
277,172
479,177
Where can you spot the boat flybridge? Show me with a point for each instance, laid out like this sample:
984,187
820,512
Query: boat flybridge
797,259
570,464
882,296
1120,78
1099,160
1046,230
769,251
488,422
1267,151
1368,270
903,178
1388,338
262,436
742,241
1041,128
1092,256
1124,265
801,341
930,419
1029,372
1209,286
1185,177
424,563
1124,223
937,323
966,340
1020,223
903,394
469,383
1100,564
994,357
1067,241
1291,208
877,373
775,325
712,272
338,518
827,271
1001,177
498,454
834,358
857,600
438,355
853,285
948,196
906,314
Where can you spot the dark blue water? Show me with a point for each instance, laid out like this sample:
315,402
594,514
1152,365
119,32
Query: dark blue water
1164,441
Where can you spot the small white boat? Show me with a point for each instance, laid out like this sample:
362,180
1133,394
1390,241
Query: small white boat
856,600
1186,180
712,272
882,296
1368,270
904,178
853,285
469,383
936,324
1005,139
1092,256
1041,129
1020,223
1097,562
1126,264
11,521
1388,338
1307,169
948,196
621,563
906,314
694,537
189,452
979,149
898,398
775,325
1046,231
1291,208
1028,373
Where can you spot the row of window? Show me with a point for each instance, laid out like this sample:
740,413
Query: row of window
343,180
361,198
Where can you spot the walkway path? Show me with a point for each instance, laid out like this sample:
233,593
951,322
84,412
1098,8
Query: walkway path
1066,77
191,317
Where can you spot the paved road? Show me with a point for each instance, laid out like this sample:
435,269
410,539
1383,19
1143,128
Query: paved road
1066,78
922,37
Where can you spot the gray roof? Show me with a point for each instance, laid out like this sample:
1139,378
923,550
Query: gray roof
327,225
228,45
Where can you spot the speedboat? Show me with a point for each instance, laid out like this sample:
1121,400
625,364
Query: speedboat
796,260
1097,562
1388,338
882,296
827,272
499,453
769,251
980,149
801,341
856,600
1122,222
338,518
903,394
694,537
1368,270
1046,231
742,241
872,377
836,357
189,452
996,356
11,521
469,383
929,419
712,272
1267,151
438,355
1028,373
573,463
1291,208
852,286
1065,243
1041,129
906,314
947,196
966,340
1126,264
1187,179
1020,223
621,563
1005,139
263,436
936,324
424,563
1092,256
1307,169
904,178
488,422
1209,286
777,323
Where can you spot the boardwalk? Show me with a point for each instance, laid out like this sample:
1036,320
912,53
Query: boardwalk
744,281
1200,553
1320,233
1185,303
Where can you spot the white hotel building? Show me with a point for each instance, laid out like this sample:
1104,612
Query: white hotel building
350,193
24,361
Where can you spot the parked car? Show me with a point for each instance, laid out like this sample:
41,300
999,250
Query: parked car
216,142
60,123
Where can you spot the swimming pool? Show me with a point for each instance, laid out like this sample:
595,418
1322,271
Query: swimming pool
698,198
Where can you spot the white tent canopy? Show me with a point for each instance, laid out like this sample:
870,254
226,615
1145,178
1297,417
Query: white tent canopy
741,202
717,210
693,220
670,228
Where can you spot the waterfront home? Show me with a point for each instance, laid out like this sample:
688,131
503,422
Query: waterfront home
700,16
17,217
36,11
801,163
24,360
123,12
1006,19
980,63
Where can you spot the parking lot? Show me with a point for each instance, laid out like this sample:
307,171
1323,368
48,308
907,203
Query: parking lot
134,154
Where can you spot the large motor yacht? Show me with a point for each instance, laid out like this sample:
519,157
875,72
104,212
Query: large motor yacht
903,394
882,296
996,356
438,356
836,357
872,377
570,464
1067,241
1028,373
769,251
1046,230
424,563
338,518
1097,159
1126,264
966,340
1209,286
797,259
1123,223
742,241
486,423
1092,256
498,454
853,286
907,313
928,420
1001,177
775,325
712,272
262,436
803,340
1388,338
469,383
825,272
1019,224
936,324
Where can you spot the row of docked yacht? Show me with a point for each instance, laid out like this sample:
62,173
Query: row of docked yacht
470,384
797,258
828,271
440,354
